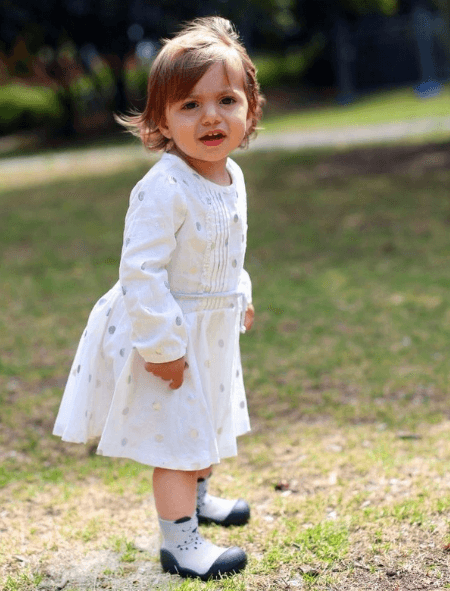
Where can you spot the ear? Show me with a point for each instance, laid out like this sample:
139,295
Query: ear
164,129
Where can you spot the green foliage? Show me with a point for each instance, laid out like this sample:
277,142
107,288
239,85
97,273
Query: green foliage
136,81
276,69
27,106
386,7
82,91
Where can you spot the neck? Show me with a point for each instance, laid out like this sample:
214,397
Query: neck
212,171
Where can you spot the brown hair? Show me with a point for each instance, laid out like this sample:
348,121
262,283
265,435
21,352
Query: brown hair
178,67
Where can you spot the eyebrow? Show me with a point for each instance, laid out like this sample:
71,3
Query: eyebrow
221,91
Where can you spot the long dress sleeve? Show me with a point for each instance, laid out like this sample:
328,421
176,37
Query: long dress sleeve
156,213
245,286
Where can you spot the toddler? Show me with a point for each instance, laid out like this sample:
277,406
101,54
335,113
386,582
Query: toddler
157,374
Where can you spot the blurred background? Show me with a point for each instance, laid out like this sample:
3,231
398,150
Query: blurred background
67,65
347,367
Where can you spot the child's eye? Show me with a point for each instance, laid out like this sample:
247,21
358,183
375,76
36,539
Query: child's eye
189,106
228,100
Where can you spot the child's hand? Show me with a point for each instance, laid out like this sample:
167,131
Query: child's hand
171,371
249,317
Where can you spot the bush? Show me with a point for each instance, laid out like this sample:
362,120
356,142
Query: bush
23,107
288,68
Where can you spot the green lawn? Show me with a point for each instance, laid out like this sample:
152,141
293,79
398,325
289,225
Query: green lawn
346,369
379,107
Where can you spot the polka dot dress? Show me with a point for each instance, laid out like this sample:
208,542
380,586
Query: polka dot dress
182,290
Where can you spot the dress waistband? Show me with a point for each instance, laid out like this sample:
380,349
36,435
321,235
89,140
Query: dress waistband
195,302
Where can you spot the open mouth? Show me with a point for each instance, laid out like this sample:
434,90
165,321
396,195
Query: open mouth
213,139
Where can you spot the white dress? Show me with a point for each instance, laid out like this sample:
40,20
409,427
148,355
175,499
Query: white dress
182,290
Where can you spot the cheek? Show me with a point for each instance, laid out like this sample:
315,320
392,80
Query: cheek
246,117
241,117
182,125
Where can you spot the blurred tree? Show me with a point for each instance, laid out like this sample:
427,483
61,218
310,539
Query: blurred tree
64,28
338,21
330,21
444,31
387,7
61,41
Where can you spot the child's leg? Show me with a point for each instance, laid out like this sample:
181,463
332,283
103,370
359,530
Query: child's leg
183,550
175,493
206,473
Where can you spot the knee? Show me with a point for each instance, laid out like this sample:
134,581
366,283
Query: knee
167,474
204,473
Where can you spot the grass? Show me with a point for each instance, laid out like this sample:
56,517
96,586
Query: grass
22,581
384,106
346,372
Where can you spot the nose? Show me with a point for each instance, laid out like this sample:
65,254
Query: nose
210,114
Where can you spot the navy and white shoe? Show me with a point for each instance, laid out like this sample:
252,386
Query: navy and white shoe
224,512
186,553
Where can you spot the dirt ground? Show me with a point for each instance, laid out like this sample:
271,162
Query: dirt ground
412,160
71,543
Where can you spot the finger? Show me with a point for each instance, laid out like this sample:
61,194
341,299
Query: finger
178,382
175,384
152,368
157,372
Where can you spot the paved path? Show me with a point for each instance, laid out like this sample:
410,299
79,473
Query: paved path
359,134
29,170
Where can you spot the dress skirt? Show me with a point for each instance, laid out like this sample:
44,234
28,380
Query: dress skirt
110,395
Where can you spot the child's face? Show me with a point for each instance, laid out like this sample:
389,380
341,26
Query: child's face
212,121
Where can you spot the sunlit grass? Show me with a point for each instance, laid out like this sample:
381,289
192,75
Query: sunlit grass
390,106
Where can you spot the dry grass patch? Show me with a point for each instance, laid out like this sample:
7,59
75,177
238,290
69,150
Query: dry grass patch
80,536
345,508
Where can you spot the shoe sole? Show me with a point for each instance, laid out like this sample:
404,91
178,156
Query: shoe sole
240,515
218,570
229,521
